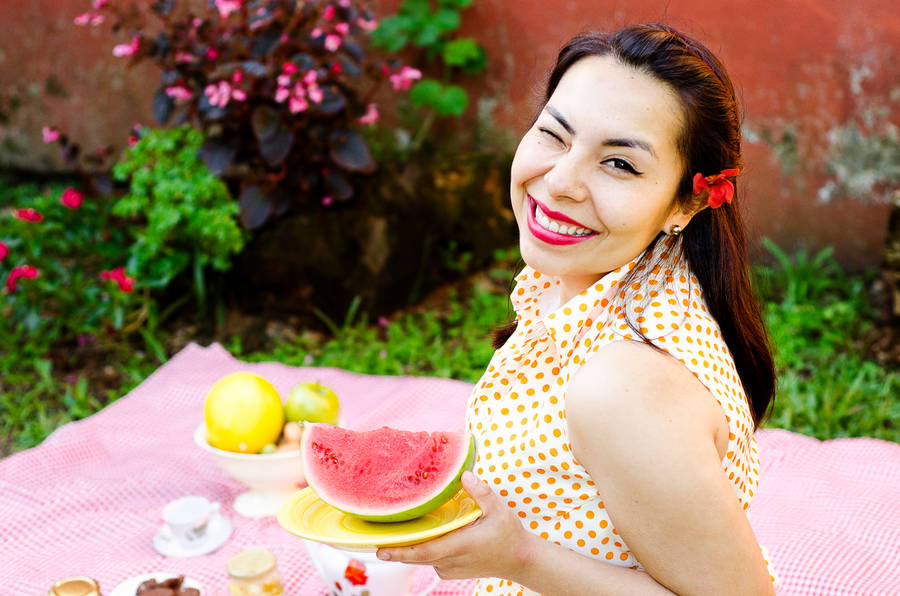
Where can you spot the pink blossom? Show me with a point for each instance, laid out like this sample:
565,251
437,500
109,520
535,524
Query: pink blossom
226,7
89,18
221,94
316,33
49,134
282,94
332,42
127,49
4,250
328,13
211,53
383,322
26,271
237,77
71,198
310,77
336,68
326,201
289,68
284,80
183,57
402,80
238,95
315,93
342,28
178,92
344,3
29,214
367,25
297,104
132,141
99,4
371,115
126,283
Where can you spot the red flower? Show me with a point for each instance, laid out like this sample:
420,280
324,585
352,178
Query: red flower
71,198
29,214
721,190
26,271
4,250
356,572
126,283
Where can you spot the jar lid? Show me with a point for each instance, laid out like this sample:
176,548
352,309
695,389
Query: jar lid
75,586
251,563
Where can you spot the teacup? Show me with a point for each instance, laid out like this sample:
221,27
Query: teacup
187,519
355,573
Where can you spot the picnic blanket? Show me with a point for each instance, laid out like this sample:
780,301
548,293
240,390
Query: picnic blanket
88,500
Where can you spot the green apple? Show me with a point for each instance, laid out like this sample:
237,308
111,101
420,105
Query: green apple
312,402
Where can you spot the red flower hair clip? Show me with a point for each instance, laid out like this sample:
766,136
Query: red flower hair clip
721,190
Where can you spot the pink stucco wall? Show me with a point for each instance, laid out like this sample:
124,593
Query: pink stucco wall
803,68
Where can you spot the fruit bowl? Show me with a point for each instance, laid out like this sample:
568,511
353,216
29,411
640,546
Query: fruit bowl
271,477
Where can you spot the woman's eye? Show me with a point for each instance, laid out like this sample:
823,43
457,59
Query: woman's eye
621,164
551,134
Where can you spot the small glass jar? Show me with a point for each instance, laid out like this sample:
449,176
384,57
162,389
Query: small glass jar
253,572
75,586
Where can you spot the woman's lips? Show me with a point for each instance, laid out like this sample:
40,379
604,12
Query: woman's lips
548,236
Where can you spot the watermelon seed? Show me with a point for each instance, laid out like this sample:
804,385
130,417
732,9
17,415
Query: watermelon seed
443,439
425,475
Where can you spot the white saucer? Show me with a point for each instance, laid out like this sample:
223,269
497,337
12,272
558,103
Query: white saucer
217,533
129,586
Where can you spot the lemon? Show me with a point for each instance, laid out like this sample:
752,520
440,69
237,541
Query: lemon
312,402
243,413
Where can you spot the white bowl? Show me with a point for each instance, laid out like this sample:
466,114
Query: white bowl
271,477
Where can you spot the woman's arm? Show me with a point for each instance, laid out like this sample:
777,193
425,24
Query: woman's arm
652,438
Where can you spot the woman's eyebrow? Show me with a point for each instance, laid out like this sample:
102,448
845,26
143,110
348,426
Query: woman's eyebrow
560,118
620,142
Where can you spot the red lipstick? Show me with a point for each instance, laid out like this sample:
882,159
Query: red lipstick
545,235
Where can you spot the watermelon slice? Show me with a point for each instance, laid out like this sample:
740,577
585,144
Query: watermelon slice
384,475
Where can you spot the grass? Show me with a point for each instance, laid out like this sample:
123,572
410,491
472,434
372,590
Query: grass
816,315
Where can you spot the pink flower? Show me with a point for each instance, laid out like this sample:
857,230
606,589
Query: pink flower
26,271
211,53
284,80
29,214
402,80
315,94
332,42
316,33
344,3
4,250
289,68
282,94
328,13
127,49
310,77
238,95
326,201
221,94
183,57
226,7
99,4
132,141
126,283
383,322
89,18
297,104
71,198
342,28
237,77
50,134
367,25
178,92
336,68
371,115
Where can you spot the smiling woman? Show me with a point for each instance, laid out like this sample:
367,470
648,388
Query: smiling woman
615,421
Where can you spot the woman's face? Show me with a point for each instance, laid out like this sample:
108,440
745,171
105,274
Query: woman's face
594,179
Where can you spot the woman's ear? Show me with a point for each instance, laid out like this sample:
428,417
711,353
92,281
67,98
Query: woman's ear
682,213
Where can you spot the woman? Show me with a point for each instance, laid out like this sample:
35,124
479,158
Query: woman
615,421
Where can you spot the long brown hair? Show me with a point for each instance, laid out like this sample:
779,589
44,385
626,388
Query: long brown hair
714,243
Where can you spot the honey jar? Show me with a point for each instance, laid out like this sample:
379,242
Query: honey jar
75,586
254,572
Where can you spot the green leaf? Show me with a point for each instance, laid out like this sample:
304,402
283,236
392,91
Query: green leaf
453,101
458,4
428,35
446,20
426,92
460,51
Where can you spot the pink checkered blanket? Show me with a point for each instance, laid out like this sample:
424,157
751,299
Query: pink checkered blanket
88,500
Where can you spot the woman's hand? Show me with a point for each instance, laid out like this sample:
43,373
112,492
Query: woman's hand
494,545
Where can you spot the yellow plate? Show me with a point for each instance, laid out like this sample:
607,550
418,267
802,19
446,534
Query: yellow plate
308,516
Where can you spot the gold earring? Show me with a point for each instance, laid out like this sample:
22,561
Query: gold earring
676,230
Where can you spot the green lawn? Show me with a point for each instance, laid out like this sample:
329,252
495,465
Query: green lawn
816,316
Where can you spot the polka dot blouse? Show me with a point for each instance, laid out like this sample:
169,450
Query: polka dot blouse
517,411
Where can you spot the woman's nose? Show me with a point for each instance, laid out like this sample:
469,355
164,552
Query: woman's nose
564,180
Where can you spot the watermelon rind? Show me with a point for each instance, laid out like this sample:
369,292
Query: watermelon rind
447,493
